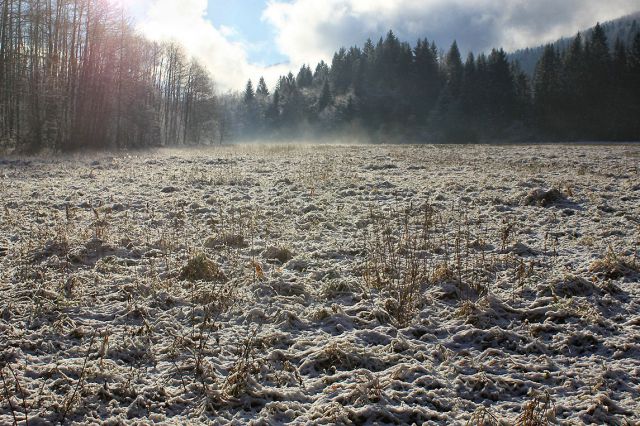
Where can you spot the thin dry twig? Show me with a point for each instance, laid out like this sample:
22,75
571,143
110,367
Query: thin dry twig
75,390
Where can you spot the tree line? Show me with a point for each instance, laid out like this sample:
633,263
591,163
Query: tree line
393,91
75,74
623,29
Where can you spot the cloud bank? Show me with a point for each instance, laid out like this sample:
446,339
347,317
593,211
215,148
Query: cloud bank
185,22
310,30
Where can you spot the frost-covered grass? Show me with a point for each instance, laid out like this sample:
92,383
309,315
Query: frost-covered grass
322,284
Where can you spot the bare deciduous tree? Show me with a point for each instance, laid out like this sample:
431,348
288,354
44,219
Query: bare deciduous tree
74,74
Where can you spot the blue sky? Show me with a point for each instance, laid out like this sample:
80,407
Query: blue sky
245,17
245,39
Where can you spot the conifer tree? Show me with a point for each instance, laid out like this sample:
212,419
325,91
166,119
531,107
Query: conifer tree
305,77
597,91
249,95
340,72
634,83
453,69
547,91
262,89
620,122
470,101
325,97
501,89
582,91
573,84
321,74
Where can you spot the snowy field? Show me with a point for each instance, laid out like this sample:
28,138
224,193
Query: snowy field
322,285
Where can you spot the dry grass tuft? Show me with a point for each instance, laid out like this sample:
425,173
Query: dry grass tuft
541,198
201,268
483,417
238,381
613,266
282,254
443,273
539,411
226,240
393,266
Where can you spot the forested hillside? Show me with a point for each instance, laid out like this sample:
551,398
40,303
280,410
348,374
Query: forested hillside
391,91
623,29
74,74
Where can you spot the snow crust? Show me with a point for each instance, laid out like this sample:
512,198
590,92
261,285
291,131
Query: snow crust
526,300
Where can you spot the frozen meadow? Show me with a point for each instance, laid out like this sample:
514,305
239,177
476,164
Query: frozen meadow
321,284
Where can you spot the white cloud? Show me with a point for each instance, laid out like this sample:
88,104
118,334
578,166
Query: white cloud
309,30
185,22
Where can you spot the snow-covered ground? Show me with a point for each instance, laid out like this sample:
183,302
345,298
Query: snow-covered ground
322,285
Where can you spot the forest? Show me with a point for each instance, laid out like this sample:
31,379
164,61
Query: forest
75,74
389,91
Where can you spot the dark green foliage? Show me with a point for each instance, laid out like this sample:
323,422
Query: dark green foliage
454,69
634,85
389,89
321,74
325,97
340,73
624,28
427,77
249,95
305,77
547,92
262,89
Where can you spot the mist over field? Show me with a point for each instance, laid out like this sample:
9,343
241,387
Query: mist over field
215,214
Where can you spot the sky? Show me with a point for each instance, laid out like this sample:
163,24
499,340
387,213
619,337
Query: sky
241,39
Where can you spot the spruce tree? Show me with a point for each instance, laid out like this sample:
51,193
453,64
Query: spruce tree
340,72
574,80
598,87
325,97
454,69
425,78
634,73
272,114
262,89
305,77
249,95
501,91
321,74
469,98
547,92
522,88
621,122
